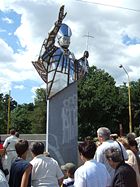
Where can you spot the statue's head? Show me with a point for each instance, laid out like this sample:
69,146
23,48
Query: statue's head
64,35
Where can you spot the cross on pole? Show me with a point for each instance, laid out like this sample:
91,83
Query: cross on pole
88,36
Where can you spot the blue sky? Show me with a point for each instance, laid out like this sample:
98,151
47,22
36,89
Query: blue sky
24,26
9,22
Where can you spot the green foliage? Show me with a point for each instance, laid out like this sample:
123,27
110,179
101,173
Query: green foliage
135,100
4,111
21,118
39,113
97,102
100,103
31,118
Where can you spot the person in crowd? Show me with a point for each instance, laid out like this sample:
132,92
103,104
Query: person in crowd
103,135
17,134
124,176
88,138
3,180
69,169
138,142
45,171
114,136
1,144
20,173
132,161
9,149
131,136
5,171
134,147
91,173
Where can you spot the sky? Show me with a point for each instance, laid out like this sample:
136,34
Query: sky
113,24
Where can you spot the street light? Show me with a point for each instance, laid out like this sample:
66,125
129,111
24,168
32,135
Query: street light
129,99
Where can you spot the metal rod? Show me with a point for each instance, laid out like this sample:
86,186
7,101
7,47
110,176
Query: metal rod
129,99
9,120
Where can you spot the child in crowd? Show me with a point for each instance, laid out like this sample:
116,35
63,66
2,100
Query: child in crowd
69,169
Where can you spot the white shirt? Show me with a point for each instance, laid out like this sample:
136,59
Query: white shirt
100,156
45,172
3,180
92,174
9,145
68,181
138,141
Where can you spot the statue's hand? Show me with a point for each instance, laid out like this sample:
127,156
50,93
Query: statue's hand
86,54
61,15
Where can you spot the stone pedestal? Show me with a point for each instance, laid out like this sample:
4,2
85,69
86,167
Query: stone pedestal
62,127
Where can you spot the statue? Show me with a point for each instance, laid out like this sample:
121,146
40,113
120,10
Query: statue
57,65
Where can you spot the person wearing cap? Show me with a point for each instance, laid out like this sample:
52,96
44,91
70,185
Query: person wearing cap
69,169
104,138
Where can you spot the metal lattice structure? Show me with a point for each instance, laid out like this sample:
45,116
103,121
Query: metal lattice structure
57,65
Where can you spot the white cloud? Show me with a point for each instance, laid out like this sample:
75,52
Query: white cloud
2,30
20,87
6,53
33,89
106,24
5,86
7,20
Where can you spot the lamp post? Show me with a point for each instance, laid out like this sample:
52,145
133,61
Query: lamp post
129,99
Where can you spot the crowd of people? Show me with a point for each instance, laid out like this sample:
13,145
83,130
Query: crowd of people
111,161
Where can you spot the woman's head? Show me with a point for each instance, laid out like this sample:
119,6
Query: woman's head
124,141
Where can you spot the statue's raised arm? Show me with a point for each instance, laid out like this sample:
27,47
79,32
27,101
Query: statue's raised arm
53,33
61,15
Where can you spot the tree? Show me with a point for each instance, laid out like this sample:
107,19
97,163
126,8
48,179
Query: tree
97,102
4,111
135,102
21,118
39,113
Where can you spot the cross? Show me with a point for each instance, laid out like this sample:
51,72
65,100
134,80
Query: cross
88,36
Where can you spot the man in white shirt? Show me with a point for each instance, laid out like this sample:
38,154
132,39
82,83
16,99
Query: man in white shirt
103,134
91,173
45,170
9,149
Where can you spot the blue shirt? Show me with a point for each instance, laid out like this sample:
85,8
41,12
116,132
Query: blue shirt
18,168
